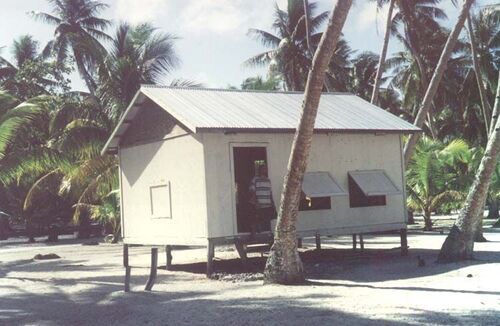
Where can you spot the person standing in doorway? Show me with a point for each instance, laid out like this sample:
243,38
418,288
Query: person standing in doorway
261,197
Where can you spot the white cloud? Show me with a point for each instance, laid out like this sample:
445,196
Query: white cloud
368,17
223,16
135,11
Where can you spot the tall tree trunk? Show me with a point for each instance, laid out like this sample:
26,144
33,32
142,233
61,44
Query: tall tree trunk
427,220
477,71
84,74
284,265
436,79
493,209
308,32
496,109
383,54
459,245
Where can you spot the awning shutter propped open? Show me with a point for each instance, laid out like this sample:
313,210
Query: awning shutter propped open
374,183
321,184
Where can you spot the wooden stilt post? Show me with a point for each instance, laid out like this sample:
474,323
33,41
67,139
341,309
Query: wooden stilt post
210,258
404,242
299,242
153,270
241,249
318,241
361,242
354,242
168,254
127,268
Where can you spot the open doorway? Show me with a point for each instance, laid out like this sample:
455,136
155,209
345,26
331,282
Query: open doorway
246,162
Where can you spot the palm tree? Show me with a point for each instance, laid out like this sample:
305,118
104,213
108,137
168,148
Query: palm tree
484,36
138,55
459,244
436,78
52,143
29,74
258,83
289,54
362,74
486,109
383,52
24,49
283,264
432,178
79,30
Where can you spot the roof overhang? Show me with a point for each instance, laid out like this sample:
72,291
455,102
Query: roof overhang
112,145
147,93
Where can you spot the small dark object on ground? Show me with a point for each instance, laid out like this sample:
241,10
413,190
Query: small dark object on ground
53,233
239,277
46,257
421,262
469,275
90,243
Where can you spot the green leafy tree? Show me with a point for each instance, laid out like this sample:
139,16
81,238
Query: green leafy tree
271,83
138,55
289,52
433,179
78,34
30,74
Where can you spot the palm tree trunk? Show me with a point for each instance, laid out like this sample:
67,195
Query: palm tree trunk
308,32
436,79
477,71
427,220
383,54
493,208
284,265
496,108
84,74
459,244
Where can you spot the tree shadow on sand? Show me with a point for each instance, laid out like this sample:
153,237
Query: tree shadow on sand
369,265
105,304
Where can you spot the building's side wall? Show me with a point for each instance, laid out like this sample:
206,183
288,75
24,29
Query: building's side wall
176,160
335,153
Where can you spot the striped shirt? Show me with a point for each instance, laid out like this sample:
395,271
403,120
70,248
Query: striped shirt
261,186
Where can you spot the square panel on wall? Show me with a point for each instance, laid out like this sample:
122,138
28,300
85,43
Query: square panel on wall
161,205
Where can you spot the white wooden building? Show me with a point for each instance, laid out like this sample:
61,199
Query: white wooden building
187,156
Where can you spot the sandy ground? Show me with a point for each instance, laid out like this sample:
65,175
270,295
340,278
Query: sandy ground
374,287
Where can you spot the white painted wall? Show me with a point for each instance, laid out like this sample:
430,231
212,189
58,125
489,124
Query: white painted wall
178,161
335,153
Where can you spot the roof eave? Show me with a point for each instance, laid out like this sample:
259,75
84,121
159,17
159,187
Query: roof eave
317,131
120,123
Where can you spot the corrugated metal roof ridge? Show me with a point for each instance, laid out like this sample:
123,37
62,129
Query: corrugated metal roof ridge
247,116
237,90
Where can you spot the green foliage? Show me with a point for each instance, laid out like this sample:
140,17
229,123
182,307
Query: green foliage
107,213
439,175
272,83
51,168
50,138
289,56
138,55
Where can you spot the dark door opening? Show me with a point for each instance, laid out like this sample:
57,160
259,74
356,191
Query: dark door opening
246,162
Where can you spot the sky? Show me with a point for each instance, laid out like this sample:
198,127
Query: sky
212,36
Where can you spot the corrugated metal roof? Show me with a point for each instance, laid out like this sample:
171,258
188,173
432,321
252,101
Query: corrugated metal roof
374,182
200,109
321,184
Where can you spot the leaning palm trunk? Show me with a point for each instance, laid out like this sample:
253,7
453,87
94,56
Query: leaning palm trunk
477,71
459,244
436,79
84,73
383,54
284,265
